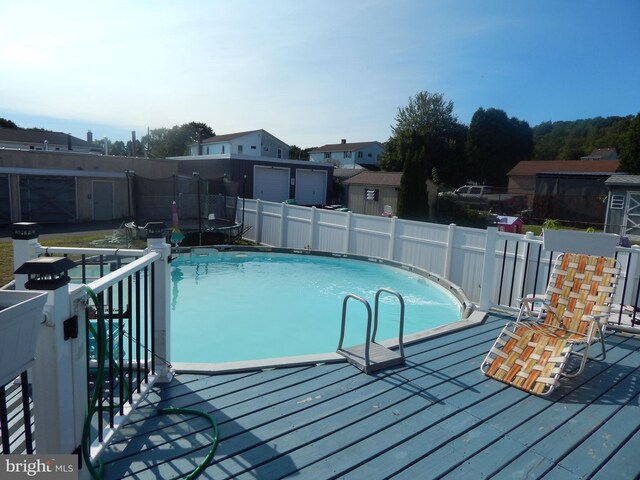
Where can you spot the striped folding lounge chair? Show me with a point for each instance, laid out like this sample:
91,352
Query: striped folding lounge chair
532,352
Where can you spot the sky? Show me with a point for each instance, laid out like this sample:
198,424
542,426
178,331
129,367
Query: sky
311,72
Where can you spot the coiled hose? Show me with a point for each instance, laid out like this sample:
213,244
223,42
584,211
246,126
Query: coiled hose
101,339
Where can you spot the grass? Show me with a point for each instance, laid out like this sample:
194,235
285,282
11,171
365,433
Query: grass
68,240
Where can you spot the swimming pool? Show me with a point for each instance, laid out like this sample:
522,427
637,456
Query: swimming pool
244,305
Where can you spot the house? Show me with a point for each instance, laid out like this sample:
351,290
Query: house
371,192
602,154
348,155
32,139
255,143
567,190
623,206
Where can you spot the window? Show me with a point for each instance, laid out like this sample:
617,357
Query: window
360,155
347,154
239,148
327,154
222,148
475,190
617,202
369,155
253,147
279,153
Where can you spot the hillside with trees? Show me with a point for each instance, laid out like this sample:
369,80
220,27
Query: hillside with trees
570,140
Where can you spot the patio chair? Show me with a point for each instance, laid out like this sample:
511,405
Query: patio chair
532,352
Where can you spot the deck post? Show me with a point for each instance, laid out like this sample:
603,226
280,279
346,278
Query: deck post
60,397
161,300
25,244
487,268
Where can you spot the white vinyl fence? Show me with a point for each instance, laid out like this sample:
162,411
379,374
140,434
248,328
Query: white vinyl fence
510,265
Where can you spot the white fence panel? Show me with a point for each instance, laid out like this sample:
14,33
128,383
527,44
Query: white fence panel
297,231
331,231
422,245
369,236
250,218
466,257
271,223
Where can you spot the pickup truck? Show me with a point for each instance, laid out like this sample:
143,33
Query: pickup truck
484,197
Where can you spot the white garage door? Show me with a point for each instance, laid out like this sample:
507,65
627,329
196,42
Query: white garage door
271,184
311,187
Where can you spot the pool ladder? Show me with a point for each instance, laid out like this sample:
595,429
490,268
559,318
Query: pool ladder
371,356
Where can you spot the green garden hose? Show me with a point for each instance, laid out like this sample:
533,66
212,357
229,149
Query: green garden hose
101,339
214,443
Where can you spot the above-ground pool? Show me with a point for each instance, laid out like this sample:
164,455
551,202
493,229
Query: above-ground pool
244,305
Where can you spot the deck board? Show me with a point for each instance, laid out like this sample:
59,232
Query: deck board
436,416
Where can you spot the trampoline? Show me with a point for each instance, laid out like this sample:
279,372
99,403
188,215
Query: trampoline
205,206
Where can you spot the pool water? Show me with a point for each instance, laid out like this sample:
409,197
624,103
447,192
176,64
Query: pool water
233,306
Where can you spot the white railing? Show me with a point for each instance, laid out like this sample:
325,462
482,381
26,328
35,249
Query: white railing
135,295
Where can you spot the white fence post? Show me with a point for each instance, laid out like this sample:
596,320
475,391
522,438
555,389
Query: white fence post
487,269
283,227
25,243
392,238
347,234
312,227
161,300
451,232
258,225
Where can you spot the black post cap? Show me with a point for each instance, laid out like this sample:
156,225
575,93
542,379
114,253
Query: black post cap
25,231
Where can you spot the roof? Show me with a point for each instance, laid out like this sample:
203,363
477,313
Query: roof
346,172
623,179
232,136
602,153
436,416
344,147
533,167
39,136
382,179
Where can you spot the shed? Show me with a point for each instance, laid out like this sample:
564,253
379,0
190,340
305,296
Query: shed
623,206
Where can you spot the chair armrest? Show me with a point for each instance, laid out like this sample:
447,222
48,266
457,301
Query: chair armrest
532,300
527,309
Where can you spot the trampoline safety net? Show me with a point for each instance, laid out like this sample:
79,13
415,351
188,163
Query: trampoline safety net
209,204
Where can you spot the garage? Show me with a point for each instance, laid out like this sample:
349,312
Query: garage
311,187
271,184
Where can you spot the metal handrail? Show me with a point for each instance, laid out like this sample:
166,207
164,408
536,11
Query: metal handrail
375,317
342,326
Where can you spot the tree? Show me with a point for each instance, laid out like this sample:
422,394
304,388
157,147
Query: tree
427,122
495,144
630,150
297,153
174,142
412,199
4,123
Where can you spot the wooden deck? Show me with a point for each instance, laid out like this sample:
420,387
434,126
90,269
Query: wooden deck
437,416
